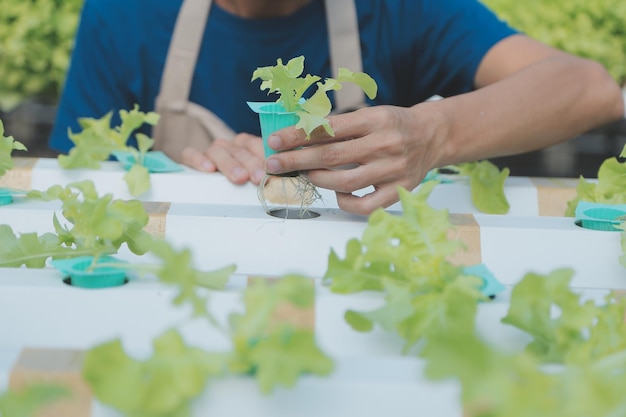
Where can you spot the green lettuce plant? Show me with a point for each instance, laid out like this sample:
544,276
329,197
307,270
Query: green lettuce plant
97,141
27,401
7,145
486,185
276,353
287,81
573,365
97,226
312,110
608,189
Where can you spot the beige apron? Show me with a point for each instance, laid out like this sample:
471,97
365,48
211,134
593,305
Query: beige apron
186,124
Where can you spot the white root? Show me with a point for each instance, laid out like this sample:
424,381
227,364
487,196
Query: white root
288,193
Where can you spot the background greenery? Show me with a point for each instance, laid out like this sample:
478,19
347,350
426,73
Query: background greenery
36,38
593,29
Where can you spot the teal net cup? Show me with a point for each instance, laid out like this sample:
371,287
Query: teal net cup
84,274
5,199
154,161
603,217
490,285
272,117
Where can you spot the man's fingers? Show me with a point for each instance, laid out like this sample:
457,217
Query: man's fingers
328,156
222,154
345,126
383,196
197,160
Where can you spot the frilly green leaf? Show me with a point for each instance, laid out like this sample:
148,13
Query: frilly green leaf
161,386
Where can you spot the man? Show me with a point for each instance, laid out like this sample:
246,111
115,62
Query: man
504,92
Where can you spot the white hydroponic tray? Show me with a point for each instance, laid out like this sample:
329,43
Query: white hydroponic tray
224,224
371,378
527,196
260,244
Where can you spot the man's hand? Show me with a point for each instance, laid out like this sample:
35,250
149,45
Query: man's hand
386,146
529,96
239,159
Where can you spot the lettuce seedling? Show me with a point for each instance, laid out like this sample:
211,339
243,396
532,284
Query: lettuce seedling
7,145
29,400
609,189
98,141
486,185
288,83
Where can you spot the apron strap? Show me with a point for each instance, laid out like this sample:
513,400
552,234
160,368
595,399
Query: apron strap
344,42
345,51
182,54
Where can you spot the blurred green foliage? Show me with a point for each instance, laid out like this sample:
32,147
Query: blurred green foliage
36,39
594,29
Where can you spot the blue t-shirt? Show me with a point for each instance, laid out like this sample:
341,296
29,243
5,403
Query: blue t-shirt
414,49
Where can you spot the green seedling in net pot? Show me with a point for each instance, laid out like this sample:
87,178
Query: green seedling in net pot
287,81
7,146
308,114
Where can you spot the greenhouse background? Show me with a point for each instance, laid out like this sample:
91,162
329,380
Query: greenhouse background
36,38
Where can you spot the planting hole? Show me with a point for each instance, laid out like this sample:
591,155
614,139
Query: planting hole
68,281
293,214
604,226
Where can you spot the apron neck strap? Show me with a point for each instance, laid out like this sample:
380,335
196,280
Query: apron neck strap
345,51
183,53
343,35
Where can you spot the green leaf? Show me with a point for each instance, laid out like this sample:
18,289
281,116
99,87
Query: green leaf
177,269
29,400
276,351
354,273
363,80
7,145
144,143
622,258
98,140
282,357
531,310
592,30
309,122
35,45
406,258
486,185
91,146
358,321
161,386
581,333
286,80
138,180
131,121
495,383
100,225
28,249
408,248
608,189
318,104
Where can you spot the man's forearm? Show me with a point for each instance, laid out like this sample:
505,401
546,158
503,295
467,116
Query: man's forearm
543,104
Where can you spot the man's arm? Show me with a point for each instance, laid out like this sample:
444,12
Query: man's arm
529,96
